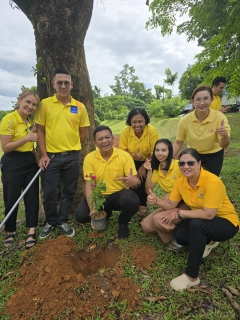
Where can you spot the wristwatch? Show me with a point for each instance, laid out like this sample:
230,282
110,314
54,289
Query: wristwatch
137,185
178,214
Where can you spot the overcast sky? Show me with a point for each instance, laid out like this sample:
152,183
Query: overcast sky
116,36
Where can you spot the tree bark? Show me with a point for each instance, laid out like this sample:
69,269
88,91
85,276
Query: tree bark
60,28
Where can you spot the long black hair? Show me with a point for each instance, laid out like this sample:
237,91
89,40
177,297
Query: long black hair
155,162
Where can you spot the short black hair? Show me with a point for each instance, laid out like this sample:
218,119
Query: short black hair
192,152
155,162
101,128
218,80
62,71
136,111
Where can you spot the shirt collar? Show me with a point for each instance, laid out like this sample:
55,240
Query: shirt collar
209,118
72,101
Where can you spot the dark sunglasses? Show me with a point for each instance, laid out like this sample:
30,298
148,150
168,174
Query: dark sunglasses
66,83
189,163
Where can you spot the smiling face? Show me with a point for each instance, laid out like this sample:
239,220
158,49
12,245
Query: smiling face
191,167
104,141
161,152
63,84
202,101
217,90
138,124
27,105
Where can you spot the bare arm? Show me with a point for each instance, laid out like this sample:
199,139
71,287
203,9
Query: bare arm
83,133
8,145
149,184
44,160
204,213
177,145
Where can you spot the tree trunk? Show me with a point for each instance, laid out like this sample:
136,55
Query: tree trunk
60,28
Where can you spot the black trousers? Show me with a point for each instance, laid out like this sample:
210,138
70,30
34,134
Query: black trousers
17,171
196,233
140,191
63,171
213,161
125,201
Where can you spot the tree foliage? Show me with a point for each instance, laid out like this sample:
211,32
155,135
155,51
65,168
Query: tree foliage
188,82
215,24
128,84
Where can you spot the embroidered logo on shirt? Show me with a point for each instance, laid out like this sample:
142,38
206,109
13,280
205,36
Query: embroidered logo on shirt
175,177
201,196
74,109
211,130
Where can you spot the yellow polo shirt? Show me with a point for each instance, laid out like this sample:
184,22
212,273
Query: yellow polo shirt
62,123
13,125
118,165
202,136
209,192
167,182
131,143
216,103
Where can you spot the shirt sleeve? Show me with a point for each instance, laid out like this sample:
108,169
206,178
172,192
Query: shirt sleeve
216,201
84,120
87,167
175,194
7,127
40,116
123,142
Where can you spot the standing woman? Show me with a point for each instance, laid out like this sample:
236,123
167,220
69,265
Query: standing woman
138,139
205,130
212,217
163,170
19,165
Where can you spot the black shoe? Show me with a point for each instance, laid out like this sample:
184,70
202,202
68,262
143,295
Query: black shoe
46,231
123,232
67,229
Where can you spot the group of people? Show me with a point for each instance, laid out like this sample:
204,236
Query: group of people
195,211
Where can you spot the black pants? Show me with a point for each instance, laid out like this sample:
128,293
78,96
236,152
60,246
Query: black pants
196,233
140,191
213,161
63,170
125,201
17,171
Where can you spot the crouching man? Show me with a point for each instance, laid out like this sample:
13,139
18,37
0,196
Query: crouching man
116,168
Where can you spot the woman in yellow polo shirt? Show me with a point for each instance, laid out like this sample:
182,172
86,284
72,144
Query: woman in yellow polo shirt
212,217
19,165
138,139
205,130
163,170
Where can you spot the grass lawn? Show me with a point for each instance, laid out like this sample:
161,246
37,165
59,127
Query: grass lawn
220,269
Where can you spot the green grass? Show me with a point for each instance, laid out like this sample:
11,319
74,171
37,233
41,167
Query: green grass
221,268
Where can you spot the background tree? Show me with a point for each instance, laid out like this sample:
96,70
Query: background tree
162,93
215,24
60,28
128,84
188,82
171,78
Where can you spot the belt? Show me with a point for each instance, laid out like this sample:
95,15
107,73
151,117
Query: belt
66,152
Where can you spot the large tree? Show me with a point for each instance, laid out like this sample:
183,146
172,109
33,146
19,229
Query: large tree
215,24
60,28
188,83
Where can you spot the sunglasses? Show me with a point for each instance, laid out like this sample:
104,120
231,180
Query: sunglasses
66,83
189,163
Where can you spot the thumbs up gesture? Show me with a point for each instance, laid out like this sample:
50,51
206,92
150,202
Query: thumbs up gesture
137,156
222,129
151,198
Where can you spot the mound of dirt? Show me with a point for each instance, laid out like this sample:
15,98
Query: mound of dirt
59,281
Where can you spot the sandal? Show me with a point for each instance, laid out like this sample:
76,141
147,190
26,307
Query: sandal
32,242
9,240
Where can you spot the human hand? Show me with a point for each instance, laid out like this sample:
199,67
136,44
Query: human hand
170,216
137,156
32,136
222,129
225,109
147,165
142,173
128,181
151,198
44,162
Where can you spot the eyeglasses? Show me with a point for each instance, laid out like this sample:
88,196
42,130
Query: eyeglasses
189,163
204,100
66,83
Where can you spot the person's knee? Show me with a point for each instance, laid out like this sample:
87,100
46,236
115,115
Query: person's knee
145,224
131,200
82,213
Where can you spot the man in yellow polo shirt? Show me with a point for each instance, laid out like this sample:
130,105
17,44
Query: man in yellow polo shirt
116,168
62,126
218,85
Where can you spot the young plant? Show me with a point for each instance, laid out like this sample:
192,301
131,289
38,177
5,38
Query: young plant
96,198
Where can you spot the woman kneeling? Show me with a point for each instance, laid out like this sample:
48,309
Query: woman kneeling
212,217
